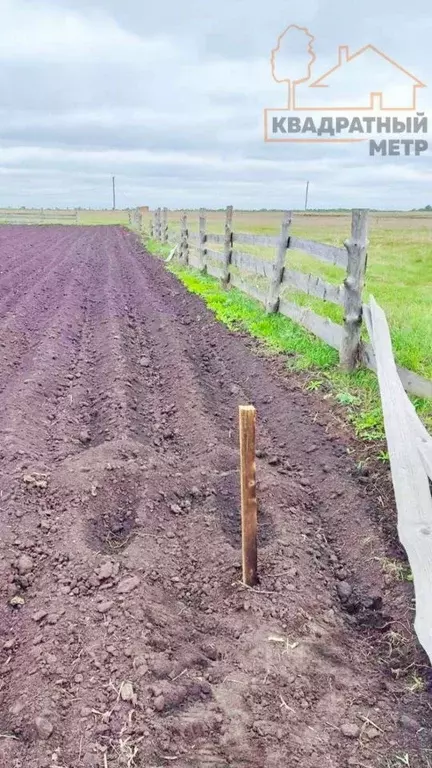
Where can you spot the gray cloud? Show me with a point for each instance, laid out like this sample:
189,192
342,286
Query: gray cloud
169,96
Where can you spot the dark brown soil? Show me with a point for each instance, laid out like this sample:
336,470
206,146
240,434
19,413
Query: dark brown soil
126,637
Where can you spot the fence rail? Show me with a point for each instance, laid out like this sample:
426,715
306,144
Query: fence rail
38,216
240,269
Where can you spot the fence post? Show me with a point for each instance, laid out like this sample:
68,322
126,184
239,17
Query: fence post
165,225
354,284
184,240
202,251
228,243
273,298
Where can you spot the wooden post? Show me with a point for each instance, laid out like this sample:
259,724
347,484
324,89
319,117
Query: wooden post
165,225
247,418
279,266
158,225
354,284
184,240
202,240
228,242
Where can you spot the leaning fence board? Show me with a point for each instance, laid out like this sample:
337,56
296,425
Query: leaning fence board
412,382
313,285
248,263
410,478
322,327
266,240
329,253
426,455
251,290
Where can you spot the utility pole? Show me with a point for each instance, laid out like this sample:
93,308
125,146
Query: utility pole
114,192
307,196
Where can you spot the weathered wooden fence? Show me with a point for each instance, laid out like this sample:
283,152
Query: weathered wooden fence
220,255
37,216
410,451
136,218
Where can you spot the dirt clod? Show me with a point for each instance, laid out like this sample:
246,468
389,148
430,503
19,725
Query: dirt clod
127,585
350,730
44,728
159,703
344,590
25,564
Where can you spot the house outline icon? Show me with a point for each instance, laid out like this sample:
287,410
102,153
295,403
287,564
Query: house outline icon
376,98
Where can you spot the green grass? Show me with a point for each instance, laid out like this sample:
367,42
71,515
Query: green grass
357,393
399,275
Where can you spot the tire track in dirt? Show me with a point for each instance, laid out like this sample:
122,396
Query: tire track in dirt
136,644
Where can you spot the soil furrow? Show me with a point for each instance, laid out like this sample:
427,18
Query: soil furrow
25,324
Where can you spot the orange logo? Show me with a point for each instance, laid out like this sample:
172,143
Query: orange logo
365,82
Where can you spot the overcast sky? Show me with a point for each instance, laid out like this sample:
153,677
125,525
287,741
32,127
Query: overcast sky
169,95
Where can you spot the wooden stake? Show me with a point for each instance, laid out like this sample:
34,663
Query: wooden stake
247,417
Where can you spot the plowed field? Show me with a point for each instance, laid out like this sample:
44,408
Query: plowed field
126,637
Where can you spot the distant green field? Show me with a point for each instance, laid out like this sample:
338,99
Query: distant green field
52,215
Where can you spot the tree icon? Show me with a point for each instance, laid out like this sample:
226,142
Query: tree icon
292,59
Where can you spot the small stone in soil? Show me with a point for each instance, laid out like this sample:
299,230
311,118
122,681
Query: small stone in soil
409,723
105,607
43,727
25,564
128,584
127,692
344,590
105,571
39,615
159,703
350,730
84,436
